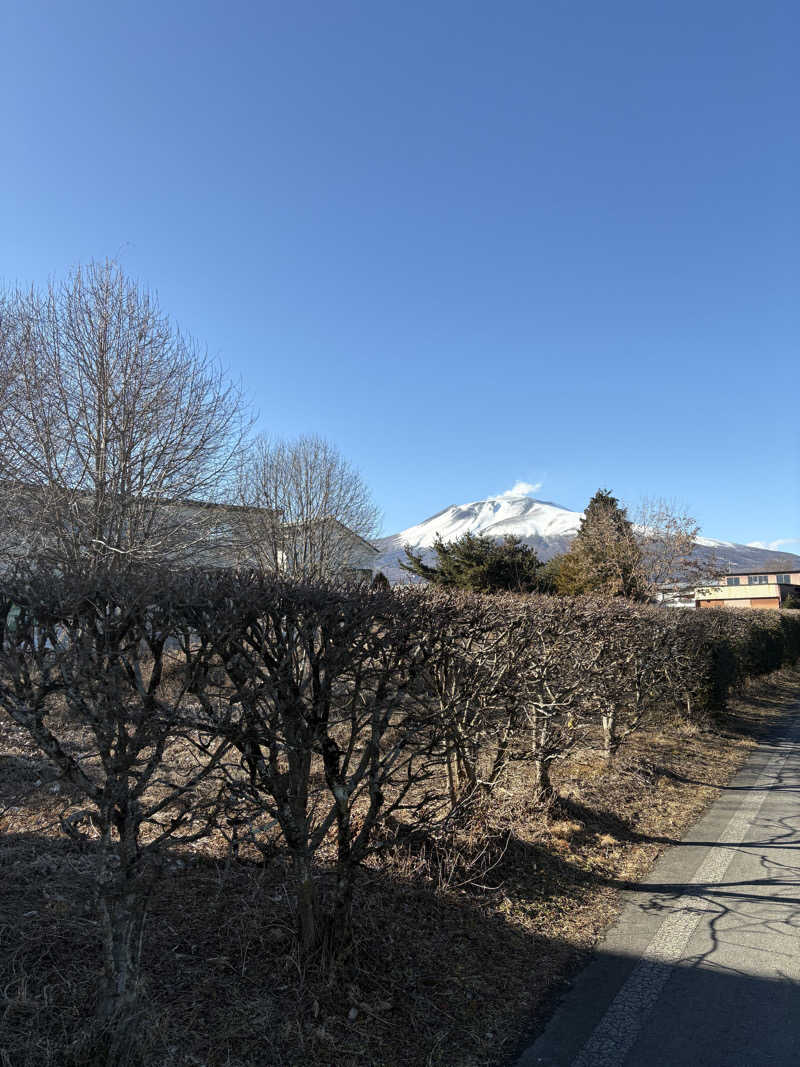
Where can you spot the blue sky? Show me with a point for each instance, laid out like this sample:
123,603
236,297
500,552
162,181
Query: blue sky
471,244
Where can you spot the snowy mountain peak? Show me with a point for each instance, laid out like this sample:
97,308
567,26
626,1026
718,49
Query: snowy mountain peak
520,516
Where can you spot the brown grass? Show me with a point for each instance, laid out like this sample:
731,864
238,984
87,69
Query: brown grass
460,952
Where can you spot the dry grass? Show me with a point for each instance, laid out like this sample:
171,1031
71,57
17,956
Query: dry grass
459,953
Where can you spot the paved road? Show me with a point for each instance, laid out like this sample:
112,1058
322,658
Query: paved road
703,966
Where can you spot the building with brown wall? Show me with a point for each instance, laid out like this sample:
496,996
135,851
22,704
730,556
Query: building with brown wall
749,589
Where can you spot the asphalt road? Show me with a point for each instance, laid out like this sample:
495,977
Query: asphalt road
702,967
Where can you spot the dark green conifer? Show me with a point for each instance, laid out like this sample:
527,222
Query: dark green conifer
478,563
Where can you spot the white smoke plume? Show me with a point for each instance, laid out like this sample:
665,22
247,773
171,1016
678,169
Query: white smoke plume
520,489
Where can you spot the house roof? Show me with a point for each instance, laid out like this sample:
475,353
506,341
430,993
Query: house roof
358,537
191,502
334,522
762,570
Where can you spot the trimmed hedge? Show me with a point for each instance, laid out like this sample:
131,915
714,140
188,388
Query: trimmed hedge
745,644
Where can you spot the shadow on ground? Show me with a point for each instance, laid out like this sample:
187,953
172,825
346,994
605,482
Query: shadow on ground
681,1015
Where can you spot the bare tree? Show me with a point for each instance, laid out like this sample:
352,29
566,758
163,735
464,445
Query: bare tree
306,509
668,536
111,422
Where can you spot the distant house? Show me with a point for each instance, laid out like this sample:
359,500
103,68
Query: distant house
749,589
250,536
55,525
676,595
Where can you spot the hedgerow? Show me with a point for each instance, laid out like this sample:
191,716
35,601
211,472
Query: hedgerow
324,713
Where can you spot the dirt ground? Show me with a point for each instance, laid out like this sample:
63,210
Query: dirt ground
457,960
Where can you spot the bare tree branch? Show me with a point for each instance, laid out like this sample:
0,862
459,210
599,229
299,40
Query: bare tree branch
305,508
111,422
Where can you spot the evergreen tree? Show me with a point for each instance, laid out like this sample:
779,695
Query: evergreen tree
549,574
606,556
479,564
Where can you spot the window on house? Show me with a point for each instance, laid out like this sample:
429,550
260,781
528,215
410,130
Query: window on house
733,581
785,579
757,579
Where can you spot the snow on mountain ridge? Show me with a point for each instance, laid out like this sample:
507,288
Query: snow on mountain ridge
521,516
543,525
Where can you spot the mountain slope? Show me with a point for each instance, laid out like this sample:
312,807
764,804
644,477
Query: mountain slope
546,527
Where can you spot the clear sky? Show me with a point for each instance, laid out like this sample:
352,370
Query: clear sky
471,243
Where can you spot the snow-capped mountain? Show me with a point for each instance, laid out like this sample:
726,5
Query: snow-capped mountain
546,527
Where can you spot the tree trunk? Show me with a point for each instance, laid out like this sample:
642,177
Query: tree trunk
122,914
452,780
341,928
306,902
609,734
122,893
541,773
498,764
465,766
342,918
541,778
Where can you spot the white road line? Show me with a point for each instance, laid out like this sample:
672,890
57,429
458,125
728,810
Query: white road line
616,1033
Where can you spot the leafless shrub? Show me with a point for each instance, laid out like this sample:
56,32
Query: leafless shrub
563,649
326,736
470,649
631,674
95,654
